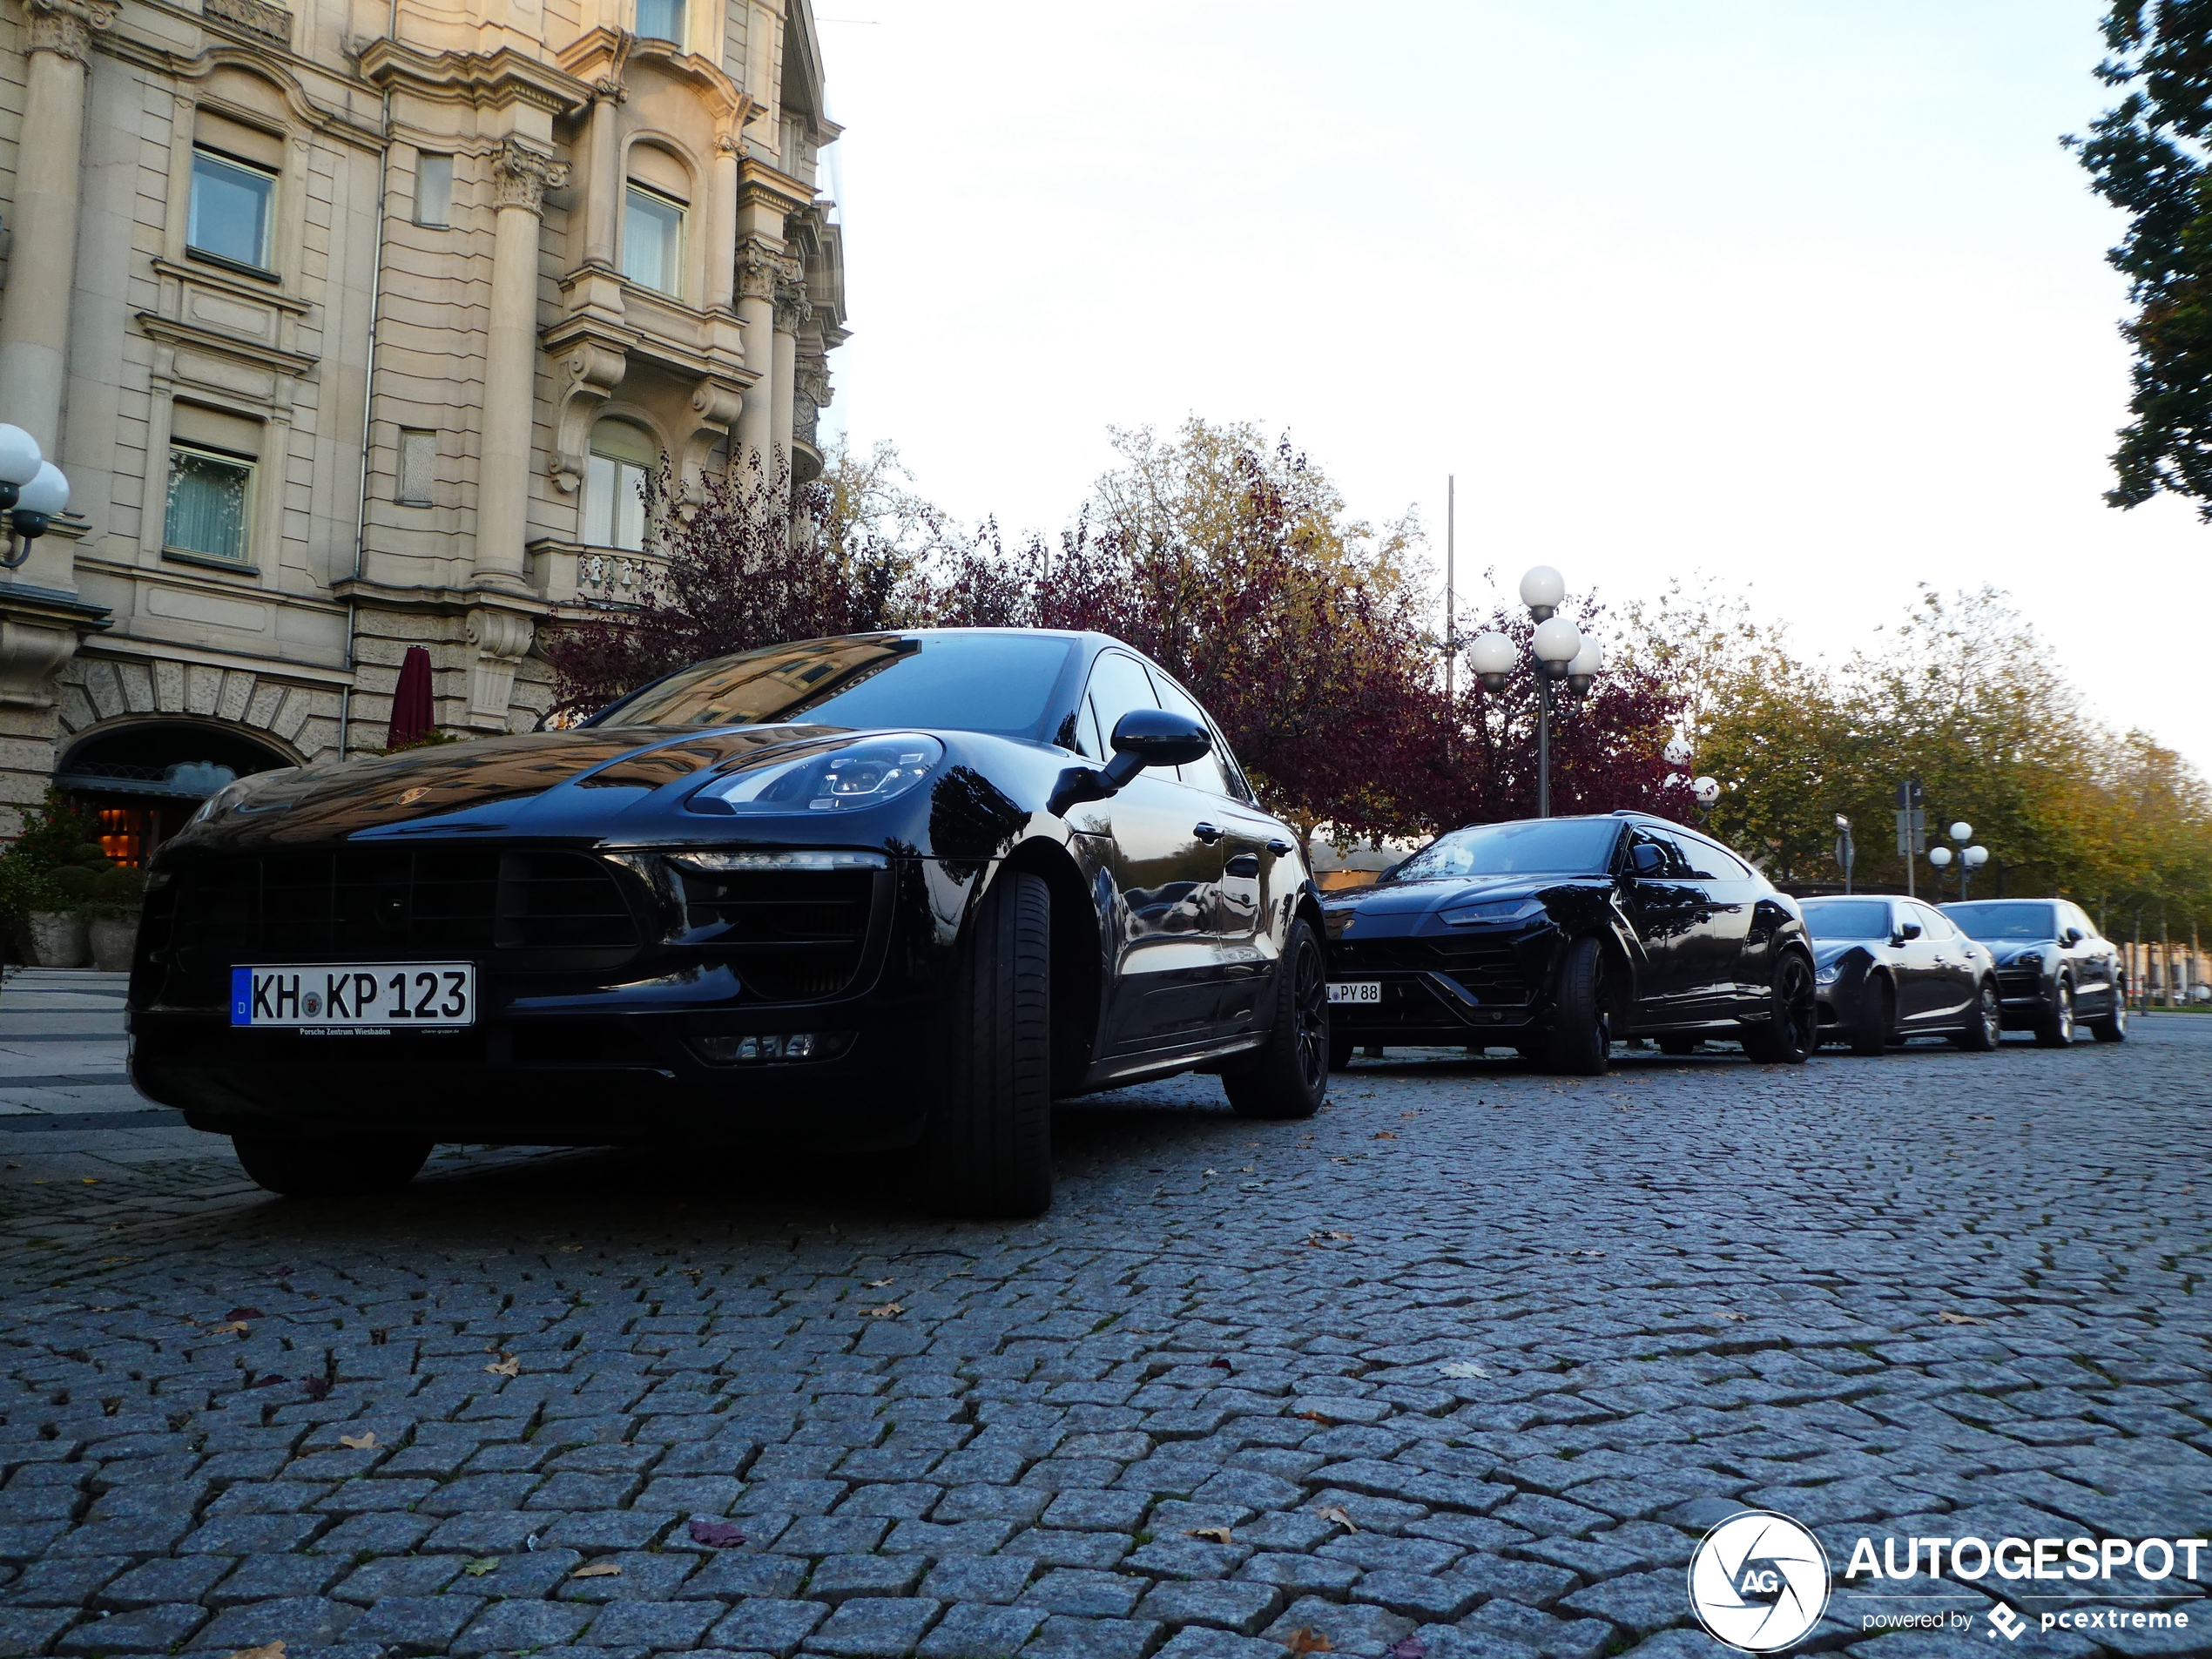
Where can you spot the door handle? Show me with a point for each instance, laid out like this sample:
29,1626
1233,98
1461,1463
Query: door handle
1280,848
1206,833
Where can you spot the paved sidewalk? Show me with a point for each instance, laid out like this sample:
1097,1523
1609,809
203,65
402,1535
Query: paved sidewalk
1463,1367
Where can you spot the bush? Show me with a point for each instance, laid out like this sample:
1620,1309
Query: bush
117,891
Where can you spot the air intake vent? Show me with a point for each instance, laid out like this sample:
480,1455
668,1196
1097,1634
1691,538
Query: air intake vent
791,935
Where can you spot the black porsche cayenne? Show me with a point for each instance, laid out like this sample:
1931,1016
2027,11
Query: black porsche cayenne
885,890
1560,936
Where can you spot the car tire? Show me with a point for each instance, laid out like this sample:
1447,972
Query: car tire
2111,1026
1877,1019
1288,1077
1678,1047
2054,1026
1987,1023
1582,1037
1340,1047
1790,1031
987,1149
328,1166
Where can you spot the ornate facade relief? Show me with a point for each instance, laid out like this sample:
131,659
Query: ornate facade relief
66,27
502,639
522,174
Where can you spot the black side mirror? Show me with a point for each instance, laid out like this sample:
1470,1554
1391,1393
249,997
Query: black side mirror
2070,938
1906,930
1142,737
1647,860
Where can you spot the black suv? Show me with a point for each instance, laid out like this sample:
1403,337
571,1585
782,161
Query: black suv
2053,967
1561,936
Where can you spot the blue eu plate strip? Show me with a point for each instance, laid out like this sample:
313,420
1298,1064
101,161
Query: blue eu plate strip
241,996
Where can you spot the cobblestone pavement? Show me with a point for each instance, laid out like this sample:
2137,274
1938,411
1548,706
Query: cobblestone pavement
1472,1359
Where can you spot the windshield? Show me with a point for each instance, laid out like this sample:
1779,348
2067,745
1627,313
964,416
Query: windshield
1539,847
2013,918
959,682
1851,918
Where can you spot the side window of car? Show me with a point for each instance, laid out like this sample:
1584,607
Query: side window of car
1209,773
1118,684
1676,868
1933,923
2070,916
1711,860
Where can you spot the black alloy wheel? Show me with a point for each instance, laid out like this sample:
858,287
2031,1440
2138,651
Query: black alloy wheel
2111,1026
2054,1028
1581,1038
1986,1023
328,1166
988,1148
1790,1031
1288,1077
1877,1018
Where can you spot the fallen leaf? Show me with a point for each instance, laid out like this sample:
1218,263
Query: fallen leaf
235,1328
364,1441
1405,1114
318,1388
716,1534
1949,1318
110,1261
507,1365
1733,1318
266,1650
1219,1364
881,1283
597,1569
1328,1238
1335,1515
1409,1648
570,1250
477,1567
1338,1160
1306,1639
889,1311
244,1313
1324,1420
1461,1368
1214,1534
1386,1135
90,1180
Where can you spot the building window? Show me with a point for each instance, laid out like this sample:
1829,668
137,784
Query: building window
418,467
434,191
652,240
616,481
230,210
661,20
207,503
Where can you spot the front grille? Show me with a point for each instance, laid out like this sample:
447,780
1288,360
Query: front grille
2016,982
1488,968
554,909
791,935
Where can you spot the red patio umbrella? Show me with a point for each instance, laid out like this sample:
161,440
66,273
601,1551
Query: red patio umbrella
412,720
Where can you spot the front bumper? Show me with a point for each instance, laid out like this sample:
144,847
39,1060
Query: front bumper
1448,989
610,1008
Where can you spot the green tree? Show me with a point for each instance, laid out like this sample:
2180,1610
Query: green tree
2147,157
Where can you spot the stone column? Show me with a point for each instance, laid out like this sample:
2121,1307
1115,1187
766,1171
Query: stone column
603,184
762,265
42,264
510,366
722,228
791,311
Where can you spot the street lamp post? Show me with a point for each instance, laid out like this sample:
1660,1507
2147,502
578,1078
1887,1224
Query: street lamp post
32,492
1561,653
1970,858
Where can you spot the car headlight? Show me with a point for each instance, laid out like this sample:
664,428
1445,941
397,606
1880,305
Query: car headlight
1496,910
849,778
1829,974
2030,960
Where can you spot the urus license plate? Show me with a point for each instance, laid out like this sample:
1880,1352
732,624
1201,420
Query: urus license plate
353,997
1356,990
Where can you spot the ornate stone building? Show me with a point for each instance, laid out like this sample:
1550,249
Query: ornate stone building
355,328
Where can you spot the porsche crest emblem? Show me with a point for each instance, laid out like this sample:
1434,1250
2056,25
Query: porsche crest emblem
412,796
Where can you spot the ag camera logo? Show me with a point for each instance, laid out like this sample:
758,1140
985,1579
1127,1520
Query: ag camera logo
1758,1581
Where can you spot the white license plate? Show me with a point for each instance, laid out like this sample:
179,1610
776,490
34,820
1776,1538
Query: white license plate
355,996
1356,990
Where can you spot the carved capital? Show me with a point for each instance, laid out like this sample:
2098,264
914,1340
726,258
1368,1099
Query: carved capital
811,379
66,27
502,639
610,91
762,267
523,175
792,307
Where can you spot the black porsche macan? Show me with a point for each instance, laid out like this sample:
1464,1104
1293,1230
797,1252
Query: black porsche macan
1560,936
884,890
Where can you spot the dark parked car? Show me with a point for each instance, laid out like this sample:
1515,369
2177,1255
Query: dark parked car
1561,936
2054,968
1893,968
886,890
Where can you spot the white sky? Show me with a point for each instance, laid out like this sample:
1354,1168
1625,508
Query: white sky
1800,294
